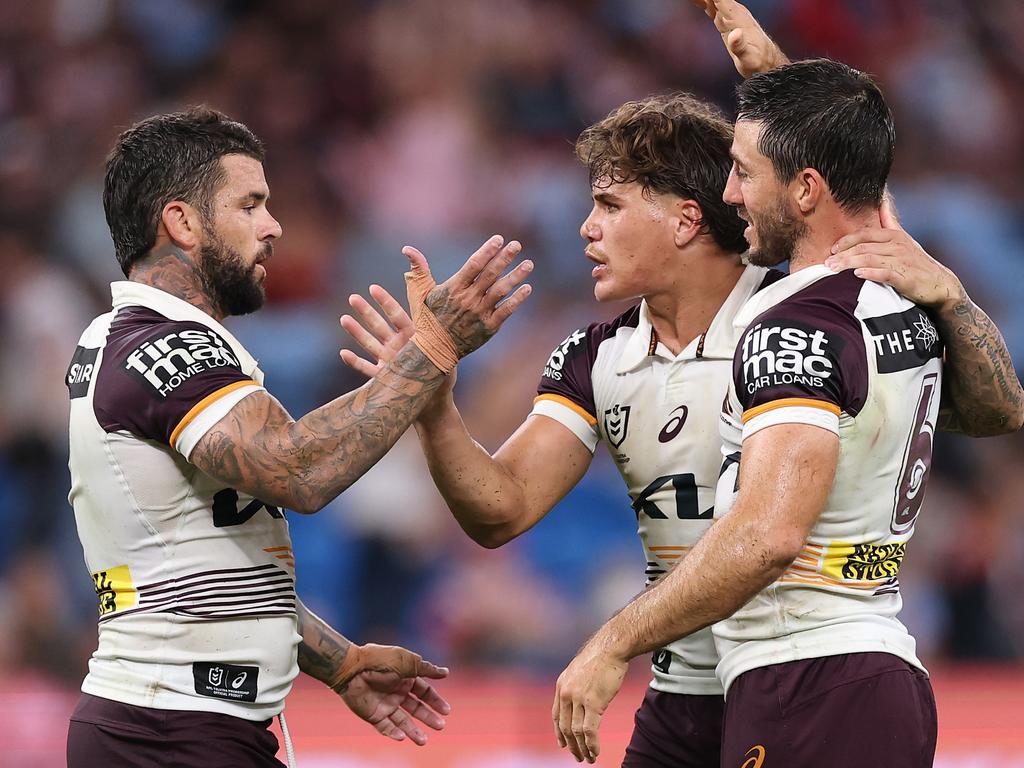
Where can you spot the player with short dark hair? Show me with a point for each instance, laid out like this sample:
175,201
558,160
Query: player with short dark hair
182,464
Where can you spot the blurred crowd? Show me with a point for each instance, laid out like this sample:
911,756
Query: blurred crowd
438,123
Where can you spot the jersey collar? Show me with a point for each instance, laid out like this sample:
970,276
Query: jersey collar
719,342
128,293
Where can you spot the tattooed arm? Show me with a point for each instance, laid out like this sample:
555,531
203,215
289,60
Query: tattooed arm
258,448
385,685
985,397
981,394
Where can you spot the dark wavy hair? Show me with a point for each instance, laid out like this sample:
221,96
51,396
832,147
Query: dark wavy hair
167,157
672,144
824,115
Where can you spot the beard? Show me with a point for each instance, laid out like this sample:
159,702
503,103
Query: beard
778,233
231,285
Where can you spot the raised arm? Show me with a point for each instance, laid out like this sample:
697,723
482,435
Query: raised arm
494,498
786,476
385,685
981,394
746,42
259,449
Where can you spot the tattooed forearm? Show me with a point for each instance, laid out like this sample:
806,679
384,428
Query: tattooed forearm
304,464
322,650
985,395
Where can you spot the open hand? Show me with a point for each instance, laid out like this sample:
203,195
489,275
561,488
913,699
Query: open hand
393,691
473,303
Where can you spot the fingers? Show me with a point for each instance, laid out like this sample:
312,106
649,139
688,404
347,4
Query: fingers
556,714
417,261
506,309
565,727
887,213
389,729
371,319
423,713
591,745
494,268
394,310
427,669
407,725
361,336
426,693
358,364
474,265
578,716
503,286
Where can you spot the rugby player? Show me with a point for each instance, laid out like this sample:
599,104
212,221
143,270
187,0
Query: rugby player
670,351
182,462
833,400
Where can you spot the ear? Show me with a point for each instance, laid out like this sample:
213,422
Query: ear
183,224
809,190
688,222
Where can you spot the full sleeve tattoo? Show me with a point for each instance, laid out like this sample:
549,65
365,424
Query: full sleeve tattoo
985,397
302,465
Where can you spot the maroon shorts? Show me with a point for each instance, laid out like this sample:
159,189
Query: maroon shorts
844,711
675,730
106,733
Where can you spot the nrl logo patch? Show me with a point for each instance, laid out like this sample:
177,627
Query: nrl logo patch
616,422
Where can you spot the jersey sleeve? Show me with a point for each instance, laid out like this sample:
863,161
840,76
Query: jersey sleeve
168,382
801,362
566,389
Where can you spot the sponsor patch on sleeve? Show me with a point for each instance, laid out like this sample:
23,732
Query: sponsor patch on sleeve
166,362
79,375
785,359
567,376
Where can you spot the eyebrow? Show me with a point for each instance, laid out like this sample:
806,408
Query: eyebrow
606,197
256,197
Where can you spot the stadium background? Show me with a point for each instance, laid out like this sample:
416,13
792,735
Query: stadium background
438,122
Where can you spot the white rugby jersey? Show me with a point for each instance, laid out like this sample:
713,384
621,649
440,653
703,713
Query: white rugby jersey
195,581
658,415
858,359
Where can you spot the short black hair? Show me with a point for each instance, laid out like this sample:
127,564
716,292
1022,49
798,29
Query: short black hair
167,157
674,144
824,115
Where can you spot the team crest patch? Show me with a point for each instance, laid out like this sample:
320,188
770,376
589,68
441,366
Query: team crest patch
616,422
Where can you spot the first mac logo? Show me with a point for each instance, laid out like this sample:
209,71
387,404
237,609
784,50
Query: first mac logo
83,366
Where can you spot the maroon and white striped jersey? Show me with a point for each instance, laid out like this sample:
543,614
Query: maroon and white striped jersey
856,358
195,581
658,415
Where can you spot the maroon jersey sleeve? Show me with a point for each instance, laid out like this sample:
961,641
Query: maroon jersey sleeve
156,374
808,350
567,373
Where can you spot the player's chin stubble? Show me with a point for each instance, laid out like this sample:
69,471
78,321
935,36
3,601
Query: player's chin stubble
231,284
778,234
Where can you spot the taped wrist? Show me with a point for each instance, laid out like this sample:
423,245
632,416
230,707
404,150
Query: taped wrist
430,336
350,667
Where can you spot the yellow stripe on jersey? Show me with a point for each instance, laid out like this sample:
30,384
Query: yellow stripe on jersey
199,407
114,589
591,420
788,402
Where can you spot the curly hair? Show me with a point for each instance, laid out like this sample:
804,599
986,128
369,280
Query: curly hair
671,144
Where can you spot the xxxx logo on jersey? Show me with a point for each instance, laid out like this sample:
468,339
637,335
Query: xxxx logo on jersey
114,589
